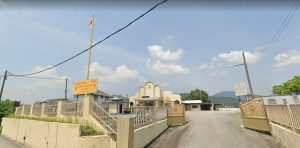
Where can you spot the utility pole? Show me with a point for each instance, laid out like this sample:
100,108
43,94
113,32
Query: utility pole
90,50
3,82
66,89
248,77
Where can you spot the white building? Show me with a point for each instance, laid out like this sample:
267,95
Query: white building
289,99
151,94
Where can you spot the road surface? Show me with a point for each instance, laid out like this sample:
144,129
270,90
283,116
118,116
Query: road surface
213,129
6,143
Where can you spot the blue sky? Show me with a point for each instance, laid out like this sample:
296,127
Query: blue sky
179,48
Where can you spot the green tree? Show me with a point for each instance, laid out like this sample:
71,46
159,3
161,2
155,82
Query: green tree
8,107
288,87
198,95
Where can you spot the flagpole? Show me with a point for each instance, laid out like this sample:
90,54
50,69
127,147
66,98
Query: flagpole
90,50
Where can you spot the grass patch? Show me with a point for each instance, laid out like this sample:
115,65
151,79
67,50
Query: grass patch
87,130
46,119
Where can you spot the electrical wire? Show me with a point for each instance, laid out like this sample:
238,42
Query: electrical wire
283,25
47,78
107,37
44,78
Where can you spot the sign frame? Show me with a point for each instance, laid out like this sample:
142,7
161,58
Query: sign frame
85,87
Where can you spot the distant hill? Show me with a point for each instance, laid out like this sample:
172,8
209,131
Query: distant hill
226,99
225,94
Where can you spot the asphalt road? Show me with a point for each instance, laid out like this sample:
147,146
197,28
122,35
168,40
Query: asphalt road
6,143
213,129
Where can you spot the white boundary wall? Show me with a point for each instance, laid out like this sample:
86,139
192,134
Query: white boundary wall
286,137
41,134
144,135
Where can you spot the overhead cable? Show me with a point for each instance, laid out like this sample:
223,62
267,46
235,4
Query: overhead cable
107,37
283,25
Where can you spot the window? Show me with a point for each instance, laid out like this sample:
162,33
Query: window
284,101
149,103
194,106
271,101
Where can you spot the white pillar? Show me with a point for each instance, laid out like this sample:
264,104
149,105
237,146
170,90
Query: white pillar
31,110
125,132
87,100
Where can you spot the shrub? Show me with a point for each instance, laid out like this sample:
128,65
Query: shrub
87,130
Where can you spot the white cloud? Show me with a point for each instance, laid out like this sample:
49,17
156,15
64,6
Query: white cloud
162,54
121,74
236,56
163,61
170,69
97,68
214,63
232,57
287,59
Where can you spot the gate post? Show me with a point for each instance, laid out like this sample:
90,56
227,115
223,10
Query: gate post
125,132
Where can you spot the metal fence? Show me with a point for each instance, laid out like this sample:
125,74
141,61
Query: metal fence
145,115
108,121
51,109
253,109
37,110
19,110
72,108
27,109
287,115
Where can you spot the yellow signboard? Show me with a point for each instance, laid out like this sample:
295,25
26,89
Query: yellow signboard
85,87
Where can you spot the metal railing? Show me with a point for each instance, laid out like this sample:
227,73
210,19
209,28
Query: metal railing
72,108
37,110
19,110
287,115
27,109
145,115
50,109
253,109
108,121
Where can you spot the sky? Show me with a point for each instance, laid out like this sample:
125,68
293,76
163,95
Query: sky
178,47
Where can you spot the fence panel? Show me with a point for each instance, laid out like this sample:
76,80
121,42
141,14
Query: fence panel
27,109
145,115
176,114
37,110
286,115
50,109
19,110
279,114
295,114
254,115
72,108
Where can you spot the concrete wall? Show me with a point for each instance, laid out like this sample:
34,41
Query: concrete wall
102,141
113,108
285,136
146,134
230,109
40,134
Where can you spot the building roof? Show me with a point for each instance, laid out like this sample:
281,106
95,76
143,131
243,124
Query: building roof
53,100
192,102
102,93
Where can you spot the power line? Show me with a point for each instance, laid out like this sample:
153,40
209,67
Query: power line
44,78
283,25
107,37
48,78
